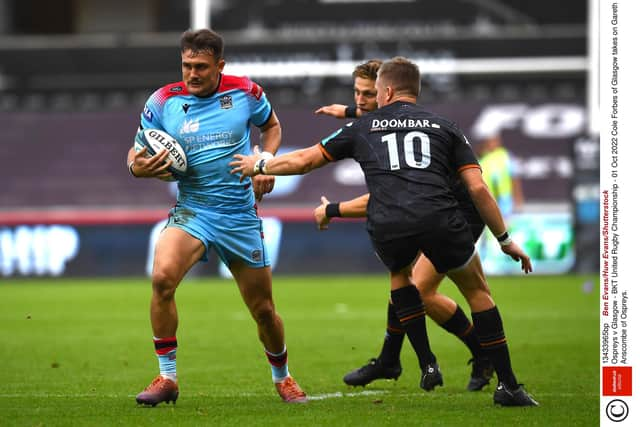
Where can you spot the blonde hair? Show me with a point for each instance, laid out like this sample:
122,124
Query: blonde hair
367,70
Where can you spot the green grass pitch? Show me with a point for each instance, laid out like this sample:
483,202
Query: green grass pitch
75,353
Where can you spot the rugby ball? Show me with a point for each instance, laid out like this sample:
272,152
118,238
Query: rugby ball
156,140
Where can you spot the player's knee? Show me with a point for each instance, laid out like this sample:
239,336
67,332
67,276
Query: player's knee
264,312
429,296
164,284
479,299
479,293
428,288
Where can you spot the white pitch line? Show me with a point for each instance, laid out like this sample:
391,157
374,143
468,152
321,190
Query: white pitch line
352,394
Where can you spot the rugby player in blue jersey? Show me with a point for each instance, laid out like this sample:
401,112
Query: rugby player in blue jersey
210,114
408,156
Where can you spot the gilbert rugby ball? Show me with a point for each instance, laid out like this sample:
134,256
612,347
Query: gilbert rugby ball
156,140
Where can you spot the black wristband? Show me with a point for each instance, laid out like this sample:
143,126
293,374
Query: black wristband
332,210
261,166
503,237
351,112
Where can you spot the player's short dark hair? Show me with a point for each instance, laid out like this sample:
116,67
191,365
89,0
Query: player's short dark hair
402,74
204,40
367,70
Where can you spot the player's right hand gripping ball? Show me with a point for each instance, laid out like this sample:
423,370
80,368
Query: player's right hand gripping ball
156,140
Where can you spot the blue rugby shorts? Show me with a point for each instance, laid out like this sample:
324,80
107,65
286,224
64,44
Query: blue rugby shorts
236,236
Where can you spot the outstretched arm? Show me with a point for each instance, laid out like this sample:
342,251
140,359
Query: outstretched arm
354,208
339,111
336,110
490,213
297,162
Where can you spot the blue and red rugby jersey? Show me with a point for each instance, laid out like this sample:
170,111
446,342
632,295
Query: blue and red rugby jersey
211,130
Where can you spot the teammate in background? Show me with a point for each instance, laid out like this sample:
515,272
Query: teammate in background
408,156
442,309
503,181
500,174
210,114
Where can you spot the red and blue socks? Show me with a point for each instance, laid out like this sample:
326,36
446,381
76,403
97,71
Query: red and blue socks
166,349
279,366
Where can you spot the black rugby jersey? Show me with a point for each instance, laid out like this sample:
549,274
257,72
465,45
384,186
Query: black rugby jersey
466,206
408,156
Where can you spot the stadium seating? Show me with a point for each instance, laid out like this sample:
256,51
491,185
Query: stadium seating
104,70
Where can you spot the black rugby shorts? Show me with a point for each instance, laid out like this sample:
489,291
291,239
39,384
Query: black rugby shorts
447,247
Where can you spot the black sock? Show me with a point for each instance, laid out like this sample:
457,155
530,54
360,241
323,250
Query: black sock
460,326
494,343
390,353
410,311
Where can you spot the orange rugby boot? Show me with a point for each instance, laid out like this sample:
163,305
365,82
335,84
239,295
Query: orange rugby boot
290,391
160,390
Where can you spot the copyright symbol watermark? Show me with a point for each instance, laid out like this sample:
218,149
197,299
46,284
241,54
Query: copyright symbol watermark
617,410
